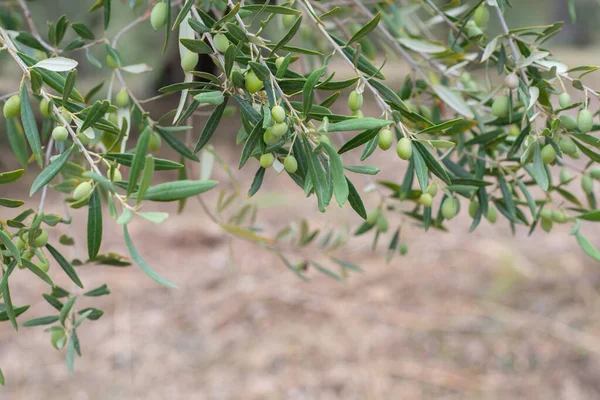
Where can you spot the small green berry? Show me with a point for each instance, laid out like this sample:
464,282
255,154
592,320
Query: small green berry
565,176
386,139
280,129
403,249
473,207
432,189
82,191
12,107
404,148
288,20
112,62
564,100
546,213
60,134
595,173
382,223
291,164
155,142
221,42
426,199
45,108
278,114
492,214
267,160
372,216
189,61
122,98
501,106
587,183
514,131
585,121
355,101
58,338
20,243
511,81
269,138
253,84
116,175
559,216
547,225
41,239
449,208
568,122
279,62
66,115
548,154
158,16
567,146
481,16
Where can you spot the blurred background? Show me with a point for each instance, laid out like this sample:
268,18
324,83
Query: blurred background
485,315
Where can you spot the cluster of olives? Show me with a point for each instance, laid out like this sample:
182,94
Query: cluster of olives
32,249
475,26
492,212
272,136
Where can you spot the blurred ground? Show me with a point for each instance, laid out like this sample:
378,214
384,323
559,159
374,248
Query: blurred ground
462,316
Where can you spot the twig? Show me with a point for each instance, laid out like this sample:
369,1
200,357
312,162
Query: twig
32,28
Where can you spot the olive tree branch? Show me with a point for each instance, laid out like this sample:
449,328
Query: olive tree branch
32,28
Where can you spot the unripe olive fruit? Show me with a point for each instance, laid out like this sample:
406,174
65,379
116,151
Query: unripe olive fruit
155,142
288,20
372,216
465,77
324,138
267,160
514,130
12,107
449,208
116,175
111,61
189,61
60,134
280,129
403,249
471,85
45,108
567,146
559,216
548,154
565,176
404,148
278,114
547,225
83,138
473,207
595,173
44,265
426,199
473,30
66,115
82,191
481,16
587,184
382,223
492,214
585,121
386,138
511,81
425,112
122,98
306,32
158,17
501,106
568,122
546,213
564,100
253,84
355,101
221,42
357,114
291,164
432,189
279,62
20,243
57,338
269,138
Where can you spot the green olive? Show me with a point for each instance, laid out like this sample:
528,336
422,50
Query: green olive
269,138
564,100
355,101
465,77
279,62
280,129
267,160
568,122
546,213
386,139
221,42
382,223
511,81
403,249
585,121
548,154
291,164
426,199
189,61
324,138
45,108
473,30
66,115
12,107
567,146
449,208
559,216
83,138
514,131
83,190
116,175
112,62
473,207
547,225
404,148
492,214
481,16
587,184
595,173
122,98
288,20
278,114
565,176
155,142
432,189
60,134
357,114
20,243
58,338
372,216
501,106
253,84
425,112
159,15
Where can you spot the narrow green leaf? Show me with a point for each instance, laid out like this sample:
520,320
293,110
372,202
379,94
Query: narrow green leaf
146,178
340,184
176,190
184,11
432,164
288,36
358,124
10,176
65,265
94,225
12,248
69,85
99,291
196,46
50,171
29,125
588,247
175,143
64,312
41,321
38,272
126,159
257,181
138,159
211,126
10,311
326,271
355,201
308,91
17,141
140,261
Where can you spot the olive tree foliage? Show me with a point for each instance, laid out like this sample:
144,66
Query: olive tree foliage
508,142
